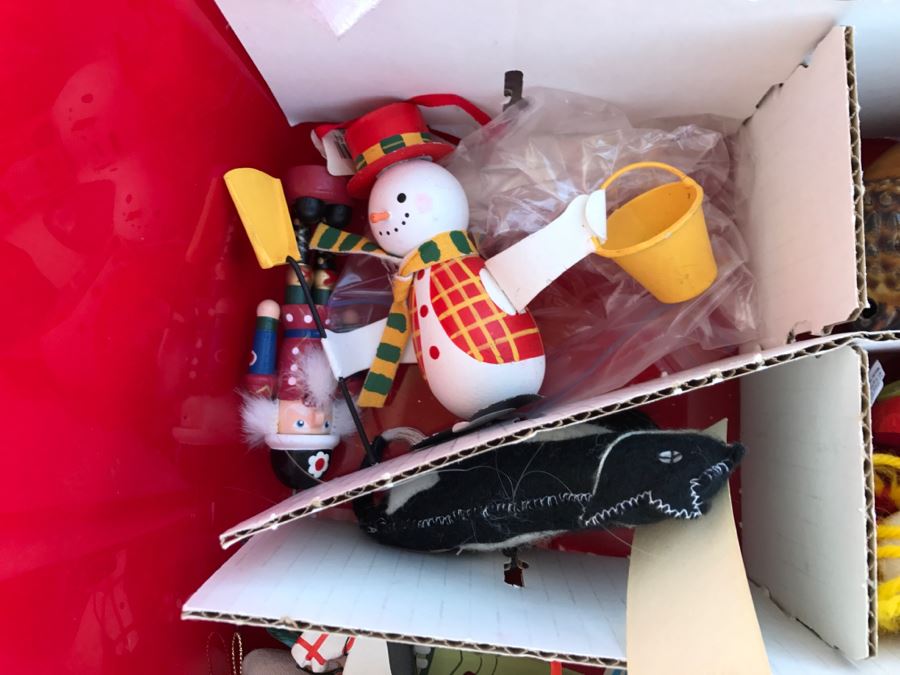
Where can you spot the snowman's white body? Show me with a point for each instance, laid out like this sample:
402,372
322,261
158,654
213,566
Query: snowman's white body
463,384
412,202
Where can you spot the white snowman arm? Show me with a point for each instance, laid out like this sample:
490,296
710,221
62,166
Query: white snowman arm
353,351
526,268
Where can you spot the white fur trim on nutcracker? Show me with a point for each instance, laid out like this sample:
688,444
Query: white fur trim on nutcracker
526,268
354,351
302,441
460,382
342,422
316,377
259,418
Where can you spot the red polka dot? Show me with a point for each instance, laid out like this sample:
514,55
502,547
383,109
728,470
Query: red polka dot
420,274
423,311
434,352
320,464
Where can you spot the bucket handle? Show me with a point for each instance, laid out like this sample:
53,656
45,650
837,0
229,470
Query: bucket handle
682,176
678,173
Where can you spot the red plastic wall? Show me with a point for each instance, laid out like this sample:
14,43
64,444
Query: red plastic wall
127,305
128,299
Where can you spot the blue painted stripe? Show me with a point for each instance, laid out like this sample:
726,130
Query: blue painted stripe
263,358
301,333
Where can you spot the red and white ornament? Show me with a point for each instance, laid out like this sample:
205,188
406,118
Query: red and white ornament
317,652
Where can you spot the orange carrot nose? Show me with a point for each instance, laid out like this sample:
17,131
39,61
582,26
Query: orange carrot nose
378,216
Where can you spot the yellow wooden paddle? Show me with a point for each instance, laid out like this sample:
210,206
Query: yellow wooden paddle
263,209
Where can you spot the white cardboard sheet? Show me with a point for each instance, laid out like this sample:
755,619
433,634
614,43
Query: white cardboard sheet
803,496
324,573
381,475
795,650
701,56
328,574
795,175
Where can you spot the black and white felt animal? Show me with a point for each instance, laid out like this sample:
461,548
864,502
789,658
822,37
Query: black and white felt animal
619,471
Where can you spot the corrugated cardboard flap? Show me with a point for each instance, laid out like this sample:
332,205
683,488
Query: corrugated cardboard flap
807,504
800,186
391,472
701,57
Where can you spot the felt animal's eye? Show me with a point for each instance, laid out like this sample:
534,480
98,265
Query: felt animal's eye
401,197
299,424
327,425
668,456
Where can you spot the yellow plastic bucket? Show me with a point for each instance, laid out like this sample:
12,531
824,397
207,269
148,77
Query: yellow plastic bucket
660,237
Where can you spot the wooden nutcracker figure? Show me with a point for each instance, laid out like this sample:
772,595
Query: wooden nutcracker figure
290,404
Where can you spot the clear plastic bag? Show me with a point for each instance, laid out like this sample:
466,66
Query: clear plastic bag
362,294
600,328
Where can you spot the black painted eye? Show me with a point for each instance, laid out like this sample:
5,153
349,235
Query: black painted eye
401,197
669,456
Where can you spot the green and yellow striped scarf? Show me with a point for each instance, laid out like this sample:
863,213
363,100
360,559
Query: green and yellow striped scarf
445,246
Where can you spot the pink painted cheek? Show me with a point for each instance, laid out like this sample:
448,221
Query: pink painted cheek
422,202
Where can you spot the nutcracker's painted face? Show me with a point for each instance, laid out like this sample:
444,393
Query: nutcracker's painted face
412,202
296,418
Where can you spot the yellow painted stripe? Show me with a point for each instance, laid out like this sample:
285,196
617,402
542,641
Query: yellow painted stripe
375,152
412,138
372,154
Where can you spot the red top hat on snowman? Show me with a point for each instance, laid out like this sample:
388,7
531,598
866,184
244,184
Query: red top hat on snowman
393,133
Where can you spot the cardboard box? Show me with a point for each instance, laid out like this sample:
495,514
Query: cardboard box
798,168
808,543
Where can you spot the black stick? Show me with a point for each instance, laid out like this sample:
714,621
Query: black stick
342,383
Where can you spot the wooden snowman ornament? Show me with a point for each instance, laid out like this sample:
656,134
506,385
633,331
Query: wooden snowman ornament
477,346
474,349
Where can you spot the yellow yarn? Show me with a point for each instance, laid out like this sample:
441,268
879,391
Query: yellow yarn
887,474
889,551
889,605
882,459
